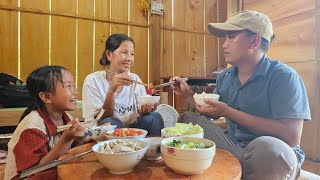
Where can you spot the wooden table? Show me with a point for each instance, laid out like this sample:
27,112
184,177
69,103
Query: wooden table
224,166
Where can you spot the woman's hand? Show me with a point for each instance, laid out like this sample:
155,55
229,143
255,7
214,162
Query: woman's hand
120,80
147,108
181,88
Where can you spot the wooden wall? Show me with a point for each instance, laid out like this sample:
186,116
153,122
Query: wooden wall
295,23
187,47
68,33
72,34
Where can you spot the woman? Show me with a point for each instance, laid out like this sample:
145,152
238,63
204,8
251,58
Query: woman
115,95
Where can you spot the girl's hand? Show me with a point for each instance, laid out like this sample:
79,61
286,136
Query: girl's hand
120,80
147,108
77,130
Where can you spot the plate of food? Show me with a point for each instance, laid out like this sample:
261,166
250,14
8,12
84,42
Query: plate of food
126,133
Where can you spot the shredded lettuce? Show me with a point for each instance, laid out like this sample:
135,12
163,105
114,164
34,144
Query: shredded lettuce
183,129
189,145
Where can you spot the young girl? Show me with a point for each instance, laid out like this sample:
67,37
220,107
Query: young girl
36,141
116,94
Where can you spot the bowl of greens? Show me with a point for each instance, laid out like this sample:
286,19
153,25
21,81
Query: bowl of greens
188,155
183,130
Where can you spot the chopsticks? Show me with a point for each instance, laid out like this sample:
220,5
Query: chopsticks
168,83
65,127
137,82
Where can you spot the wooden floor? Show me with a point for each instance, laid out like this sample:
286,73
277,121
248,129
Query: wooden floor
307,165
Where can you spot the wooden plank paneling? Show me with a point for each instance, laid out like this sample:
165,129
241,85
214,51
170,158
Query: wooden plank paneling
64,7
140,66
182,62
103,9
167,58
197,68
211,53
195,15
119,29
308,71
85,8
102,32
210,12
180,14
119,10
294,42
9,3
137,16
279,9
63,43
35,4
316,115
167,15
9,42
85,52
155,50
34,45
222,17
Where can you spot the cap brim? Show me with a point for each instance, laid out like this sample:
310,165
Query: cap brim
219,29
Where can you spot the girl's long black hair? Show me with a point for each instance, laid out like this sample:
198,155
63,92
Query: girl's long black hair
43,79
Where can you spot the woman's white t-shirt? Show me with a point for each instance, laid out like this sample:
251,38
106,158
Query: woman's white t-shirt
94,91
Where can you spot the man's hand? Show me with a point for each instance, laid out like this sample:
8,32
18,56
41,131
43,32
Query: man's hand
181,88
216,110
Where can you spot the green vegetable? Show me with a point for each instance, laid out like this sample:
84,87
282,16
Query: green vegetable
183,129
189,145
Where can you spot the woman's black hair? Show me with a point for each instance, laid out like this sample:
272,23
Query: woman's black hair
43,79
113,42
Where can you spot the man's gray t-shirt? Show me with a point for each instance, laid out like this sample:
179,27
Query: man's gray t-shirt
274,91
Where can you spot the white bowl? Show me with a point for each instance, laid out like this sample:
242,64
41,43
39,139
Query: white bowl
96,132
153,152
198,98
121,163
165,134
188,161
147,99
143,135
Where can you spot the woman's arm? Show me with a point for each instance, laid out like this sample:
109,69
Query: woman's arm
108,104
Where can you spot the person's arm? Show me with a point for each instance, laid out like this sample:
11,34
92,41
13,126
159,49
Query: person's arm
118,81
65,142
183,89
108,104
288,130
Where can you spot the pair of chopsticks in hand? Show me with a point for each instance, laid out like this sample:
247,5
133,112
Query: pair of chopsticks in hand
168,83
152,87
65,127
137,82
96,119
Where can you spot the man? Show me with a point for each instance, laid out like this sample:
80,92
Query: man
264,101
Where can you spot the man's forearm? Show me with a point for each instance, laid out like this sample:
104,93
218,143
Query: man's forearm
286,130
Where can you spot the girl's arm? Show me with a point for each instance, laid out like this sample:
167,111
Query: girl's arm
65,142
